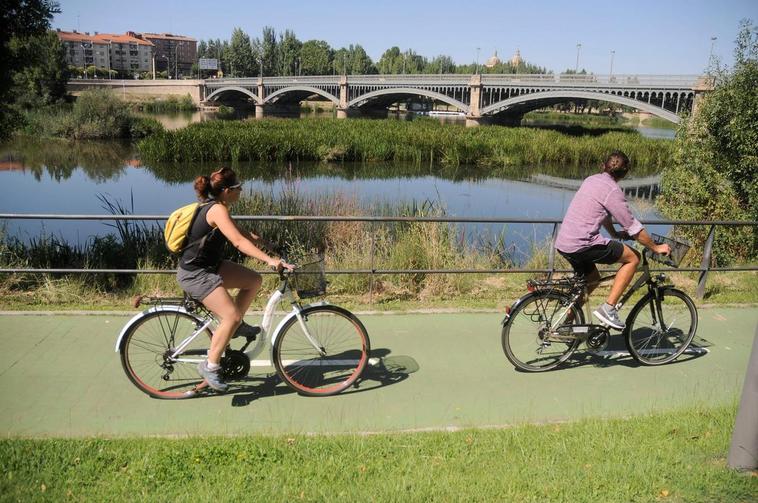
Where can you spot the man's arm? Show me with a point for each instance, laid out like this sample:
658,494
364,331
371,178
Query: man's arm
617,206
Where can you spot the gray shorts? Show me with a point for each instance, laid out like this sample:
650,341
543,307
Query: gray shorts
198,284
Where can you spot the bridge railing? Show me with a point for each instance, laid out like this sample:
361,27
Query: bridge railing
704,269
616,80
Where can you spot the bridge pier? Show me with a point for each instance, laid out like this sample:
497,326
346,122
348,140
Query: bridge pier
474,117
342,108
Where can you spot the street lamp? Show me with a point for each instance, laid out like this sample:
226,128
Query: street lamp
610,74
578,48
85,46
476,68
713,42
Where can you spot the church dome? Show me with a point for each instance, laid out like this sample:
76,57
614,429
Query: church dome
516,59
493,61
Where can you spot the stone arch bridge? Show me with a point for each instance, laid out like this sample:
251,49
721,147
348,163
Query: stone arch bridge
481,98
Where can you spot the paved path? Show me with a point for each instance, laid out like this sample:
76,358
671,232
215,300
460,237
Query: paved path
61,377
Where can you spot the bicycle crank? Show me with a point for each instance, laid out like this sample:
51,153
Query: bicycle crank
235,364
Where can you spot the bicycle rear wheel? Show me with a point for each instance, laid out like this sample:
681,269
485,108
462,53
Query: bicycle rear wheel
334,364
658,332
146,351
526,335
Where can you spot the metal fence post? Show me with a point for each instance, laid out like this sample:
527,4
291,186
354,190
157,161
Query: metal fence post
743,452
551,256
705,266
373,268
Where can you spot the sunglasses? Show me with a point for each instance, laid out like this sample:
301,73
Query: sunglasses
236,186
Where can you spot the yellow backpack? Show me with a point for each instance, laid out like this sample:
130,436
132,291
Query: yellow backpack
178,226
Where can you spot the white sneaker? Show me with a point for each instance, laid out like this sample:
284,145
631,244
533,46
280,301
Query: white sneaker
610,316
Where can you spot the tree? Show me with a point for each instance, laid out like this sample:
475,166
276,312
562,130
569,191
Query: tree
289,54
42,81
20,19
316,58
269,51
440,64
239,55
202,49
360,62
391,61
713,176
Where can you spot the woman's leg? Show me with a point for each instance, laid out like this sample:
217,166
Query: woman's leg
221,304
630,259
247,280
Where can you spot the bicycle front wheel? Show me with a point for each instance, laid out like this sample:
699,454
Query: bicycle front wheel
528,336
324,354
147,354
659,330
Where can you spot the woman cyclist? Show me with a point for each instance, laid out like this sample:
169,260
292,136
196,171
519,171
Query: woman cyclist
205,276
579,240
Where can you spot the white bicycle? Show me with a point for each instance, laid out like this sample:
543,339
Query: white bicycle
317,349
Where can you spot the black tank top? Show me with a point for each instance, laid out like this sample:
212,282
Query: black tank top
208,244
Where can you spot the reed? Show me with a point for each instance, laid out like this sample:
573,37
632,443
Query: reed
170,104
421,142
346,245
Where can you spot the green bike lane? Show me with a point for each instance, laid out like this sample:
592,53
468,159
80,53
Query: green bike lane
61,377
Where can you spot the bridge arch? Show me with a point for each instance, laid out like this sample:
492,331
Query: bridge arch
408,91
276,95
215,94
557,96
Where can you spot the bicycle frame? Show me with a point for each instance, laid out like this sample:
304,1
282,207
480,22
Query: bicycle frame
644,279
283,292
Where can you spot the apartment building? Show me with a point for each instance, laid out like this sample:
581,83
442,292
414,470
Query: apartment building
173,53
126,53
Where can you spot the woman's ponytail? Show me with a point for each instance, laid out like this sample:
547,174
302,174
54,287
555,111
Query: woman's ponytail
202,187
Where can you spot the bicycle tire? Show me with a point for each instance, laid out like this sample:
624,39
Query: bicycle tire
344,340
645,340
145,351
523,334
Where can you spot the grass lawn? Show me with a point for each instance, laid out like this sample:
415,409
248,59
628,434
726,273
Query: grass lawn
677,456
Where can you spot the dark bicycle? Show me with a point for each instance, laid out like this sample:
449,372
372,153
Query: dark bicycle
545,327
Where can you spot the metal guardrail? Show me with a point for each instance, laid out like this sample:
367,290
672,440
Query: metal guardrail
704,269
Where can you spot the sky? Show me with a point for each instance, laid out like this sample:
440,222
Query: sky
646,37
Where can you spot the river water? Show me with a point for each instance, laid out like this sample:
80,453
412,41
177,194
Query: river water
57,177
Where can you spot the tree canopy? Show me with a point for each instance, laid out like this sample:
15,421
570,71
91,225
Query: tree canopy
713,176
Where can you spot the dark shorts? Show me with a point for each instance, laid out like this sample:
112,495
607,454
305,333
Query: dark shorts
583,262
198,284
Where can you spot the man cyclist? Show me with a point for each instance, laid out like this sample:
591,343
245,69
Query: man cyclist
579,240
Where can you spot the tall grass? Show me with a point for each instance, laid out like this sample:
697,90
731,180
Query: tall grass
347,246
170,104
419,142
